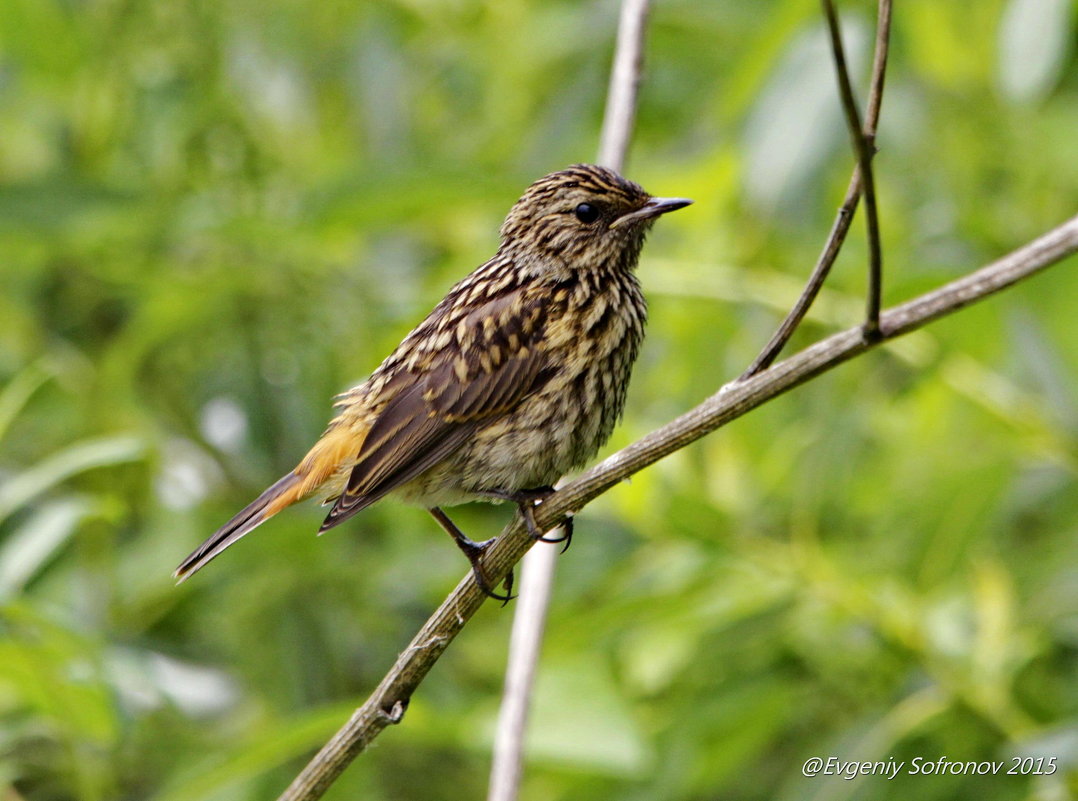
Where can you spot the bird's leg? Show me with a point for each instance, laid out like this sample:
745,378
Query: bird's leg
525,500
474,551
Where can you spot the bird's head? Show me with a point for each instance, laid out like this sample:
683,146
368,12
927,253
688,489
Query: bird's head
583,217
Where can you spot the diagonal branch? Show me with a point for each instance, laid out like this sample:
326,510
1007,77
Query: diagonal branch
840,228
389,700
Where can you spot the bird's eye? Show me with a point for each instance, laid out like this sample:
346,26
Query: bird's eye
586,213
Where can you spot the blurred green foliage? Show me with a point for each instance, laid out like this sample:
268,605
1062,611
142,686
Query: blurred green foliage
215,215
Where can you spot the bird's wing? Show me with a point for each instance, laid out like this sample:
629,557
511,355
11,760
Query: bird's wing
494,359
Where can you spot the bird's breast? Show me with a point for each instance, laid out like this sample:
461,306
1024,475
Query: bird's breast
590,350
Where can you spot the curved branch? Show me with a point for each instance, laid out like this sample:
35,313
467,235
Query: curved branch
864,150
841,227
389,700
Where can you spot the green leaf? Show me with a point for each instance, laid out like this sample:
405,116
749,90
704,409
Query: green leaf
27,550
272,745
86,455
18,391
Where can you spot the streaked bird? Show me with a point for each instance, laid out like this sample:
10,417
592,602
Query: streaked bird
515,378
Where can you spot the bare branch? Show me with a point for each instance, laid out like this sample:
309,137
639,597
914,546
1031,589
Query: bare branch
864,150
840,228
624,82
879,70
525,643
539,564
387,703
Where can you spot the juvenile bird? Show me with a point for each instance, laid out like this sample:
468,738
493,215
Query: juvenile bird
516,377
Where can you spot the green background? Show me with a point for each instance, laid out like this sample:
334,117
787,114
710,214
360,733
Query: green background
216,215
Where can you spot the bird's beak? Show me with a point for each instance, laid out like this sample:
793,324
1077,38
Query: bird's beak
653,208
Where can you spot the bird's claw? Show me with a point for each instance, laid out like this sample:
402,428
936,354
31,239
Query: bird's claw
484,585
474,551
526,499
566,537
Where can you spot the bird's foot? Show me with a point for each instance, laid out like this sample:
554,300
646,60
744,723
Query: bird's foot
474,552
526,500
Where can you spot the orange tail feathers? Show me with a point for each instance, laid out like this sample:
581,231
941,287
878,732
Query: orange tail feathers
324,460
283,493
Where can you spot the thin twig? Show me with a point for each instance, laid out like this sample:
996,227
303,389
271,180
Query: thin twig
864,150
538,565
387,703
879,70
840,228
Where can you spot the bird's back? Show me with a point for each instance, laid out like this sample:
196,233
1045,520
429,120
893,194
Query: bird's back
516,377
584,337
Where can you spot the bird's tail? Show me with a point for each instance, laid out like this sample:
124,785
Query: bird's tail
284,492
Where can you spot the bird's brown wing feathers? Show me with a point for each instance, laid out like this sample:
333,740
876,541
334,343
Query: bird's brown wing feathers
494,362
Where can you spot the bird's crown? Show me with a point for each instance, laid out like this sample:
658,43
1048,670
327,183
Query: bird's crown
583,216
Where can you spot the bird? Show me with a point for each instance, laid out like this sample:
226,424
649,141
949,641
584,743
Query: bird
515,378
